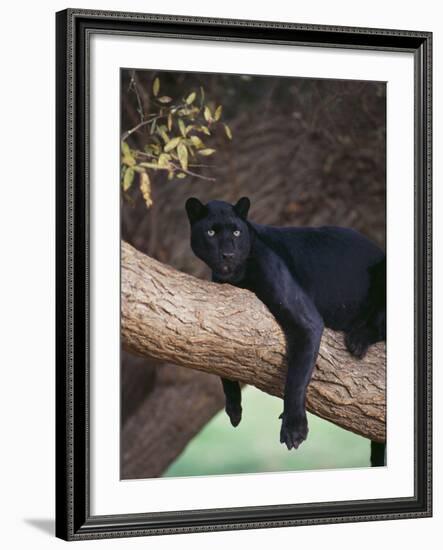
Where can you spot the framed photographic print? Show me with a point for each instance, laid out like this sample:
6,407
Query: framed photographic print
243,274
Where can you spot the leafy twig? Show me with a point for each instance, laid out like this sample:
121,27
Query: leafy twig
171,139
139,125
190,173
133,86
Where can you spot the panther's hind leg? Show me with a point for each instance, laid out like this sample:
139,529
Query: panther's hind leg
358,340
366,332
360,337
370,326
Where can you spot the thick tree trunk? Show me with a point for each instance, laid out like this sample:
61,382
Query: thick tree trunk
223,330
180,404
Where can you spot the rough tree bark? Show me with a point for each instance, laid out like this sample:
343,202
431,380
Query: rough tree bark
328,168
181,403
223,330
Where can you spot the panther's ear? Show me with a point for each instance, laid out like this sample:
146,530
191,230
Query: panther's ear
242,207
195,210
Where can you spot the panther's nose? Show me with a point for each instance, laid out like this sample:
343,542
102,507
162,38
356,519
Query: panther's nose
227,255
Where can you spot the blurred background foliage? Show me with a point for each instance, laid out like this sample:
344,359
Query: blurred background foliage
307,152
252,446
174,135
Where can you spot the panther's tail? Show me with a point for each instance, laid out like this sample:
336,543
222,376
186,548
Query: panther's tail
378,454
377,298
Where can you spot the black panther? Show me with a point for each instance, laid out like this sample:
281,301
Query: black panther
309,278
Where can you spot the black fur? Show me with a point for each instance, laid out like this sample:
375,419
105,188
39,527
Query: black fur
307,277
378,454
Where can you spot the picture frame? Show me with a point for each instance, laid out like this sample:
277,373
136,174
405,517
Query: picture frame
74,518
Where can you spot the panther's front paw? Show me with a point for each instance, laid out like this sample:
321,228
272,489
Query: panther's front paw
234,413
293,431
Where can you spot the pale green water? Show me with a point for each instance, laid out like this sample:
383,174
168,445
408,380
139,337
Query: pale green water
254,445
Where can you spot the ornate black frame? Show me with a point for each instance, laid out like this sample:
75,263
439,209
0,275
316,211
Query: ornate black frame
73,518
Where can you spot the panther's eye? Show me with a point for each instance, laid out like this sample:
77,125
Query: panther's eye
236,233
211,232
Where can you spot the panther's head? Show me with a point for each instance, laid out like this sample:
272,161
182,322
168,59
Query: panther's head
220,235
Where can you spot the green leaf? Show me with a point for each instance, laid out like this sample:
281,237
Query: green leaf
207,114
125,148
129,161
206,152
228,131
197,142
152,165
156,87
161,130
127,157
172,144
181,175
218,112
191,98
183,155
205,130
165,99
163,160
145,188
152,148
128,179
182,127
170,121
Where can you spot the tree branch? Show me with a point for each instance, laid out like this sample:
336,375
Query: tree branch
227,331
180,404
